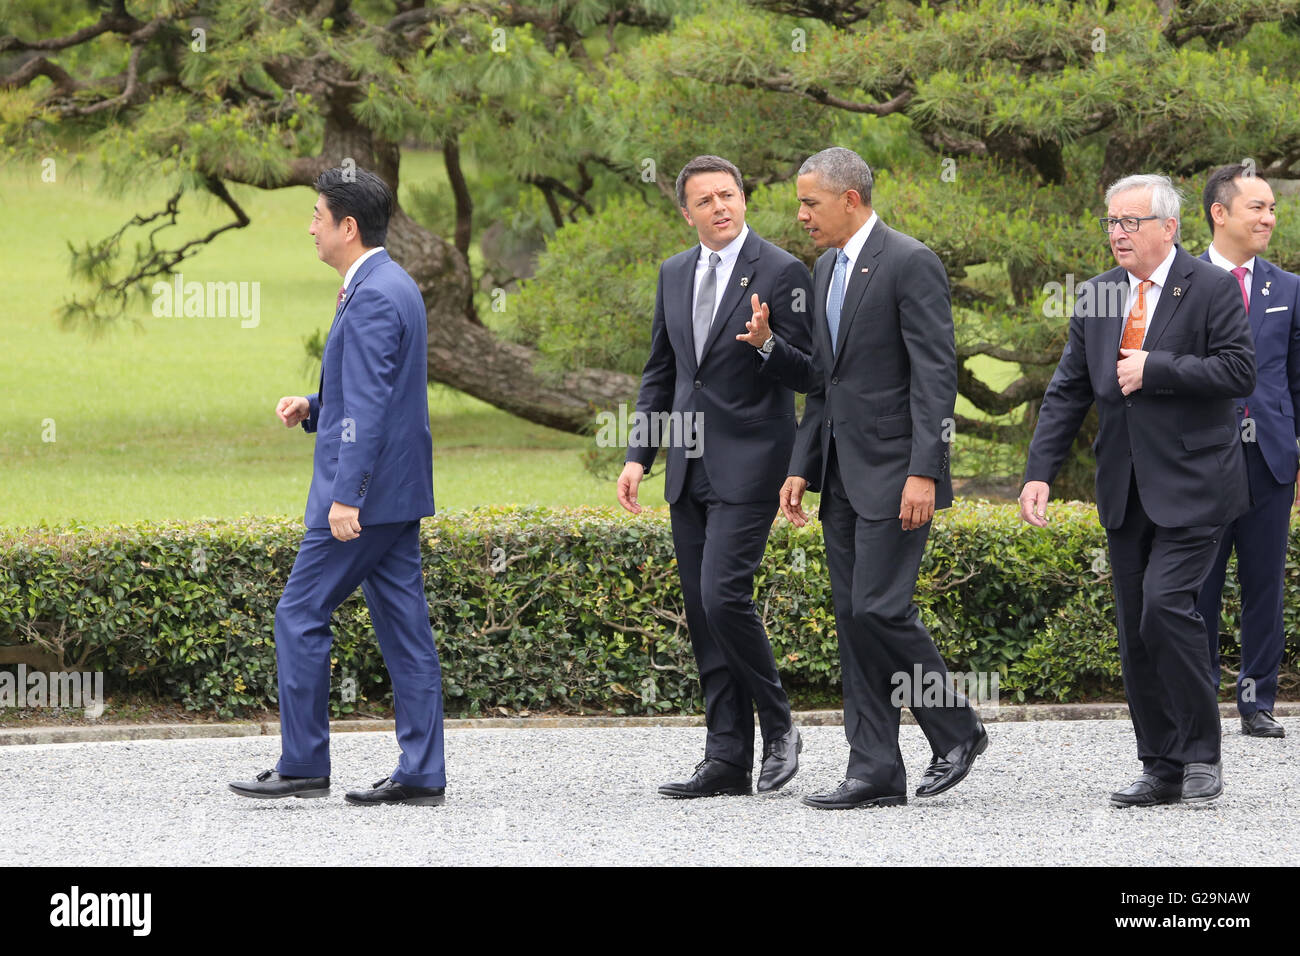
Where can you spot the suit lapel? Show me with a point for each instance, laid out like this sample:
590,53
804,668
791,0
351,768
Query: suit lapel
1260,277
742,273
363,272
1258,310
1177,284
823,271
681,319
860,273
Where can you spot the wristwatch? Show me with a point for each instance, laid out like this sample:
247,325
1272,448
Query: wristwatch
766,347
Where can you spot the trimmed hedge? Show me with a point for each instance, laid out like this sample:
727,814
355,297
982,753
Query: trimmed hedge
573,610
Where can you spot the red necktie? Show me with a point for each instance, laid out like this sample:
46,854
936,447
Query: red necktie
1136,327
1240,273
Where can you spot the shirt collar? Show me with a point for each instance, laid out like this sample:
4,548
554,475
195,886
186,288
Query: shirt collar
859,239
1223,262
352,269
1159,275
728,253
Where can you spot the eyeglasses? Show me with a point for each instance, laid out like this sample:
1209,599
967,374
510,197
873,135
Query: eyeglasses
1127,223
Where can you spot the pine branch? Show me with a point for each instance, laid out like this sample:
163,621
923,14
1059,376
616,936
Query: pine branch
115,20
96,259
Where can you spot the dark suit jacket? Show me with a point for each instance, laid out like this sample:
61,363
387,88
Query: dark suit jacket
746,402
371,415
889,389
1275,324
1178,433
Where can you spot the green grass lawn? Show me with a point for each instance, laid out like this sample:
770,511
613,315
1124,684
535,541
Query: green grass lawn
166,418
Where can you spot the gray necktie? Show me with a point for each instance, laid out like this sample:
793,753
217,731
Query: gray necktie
704,305
835,299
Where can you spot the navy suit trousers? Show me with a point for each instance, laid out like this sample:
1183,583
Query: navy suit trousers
385,562
1260,539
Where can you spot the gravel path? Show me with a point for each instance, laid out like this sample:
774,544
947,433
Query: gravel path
587,796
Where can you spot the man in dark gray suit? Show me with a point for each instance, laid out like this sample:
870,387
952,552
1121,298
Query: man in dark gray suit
1163,360
730,339
874,441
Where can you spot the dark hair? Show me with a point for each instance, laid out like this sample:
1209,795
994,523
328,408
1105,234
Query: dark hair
1221,187
362,195
705,164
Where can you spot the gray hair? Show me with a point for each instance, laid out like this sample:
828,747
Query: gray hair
840,170
1165,200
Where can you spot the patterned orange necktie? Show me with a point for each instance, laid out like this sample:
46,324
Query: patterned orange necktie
1136,327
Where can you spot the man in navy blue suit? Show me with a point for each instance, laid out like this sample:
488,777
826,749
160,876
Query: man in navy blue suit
1239,208
372,482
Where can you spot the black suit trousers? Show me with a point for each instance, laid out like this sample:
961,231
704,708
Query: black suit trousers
1157,574
873,567
719,547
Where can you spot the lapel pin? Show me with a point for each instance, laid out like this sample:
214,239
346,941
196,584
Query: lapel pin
1264,291
865,270
744,281
1178,290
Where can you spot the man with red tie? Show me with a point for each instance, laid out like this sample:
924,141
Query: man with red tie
1239,207
1163,360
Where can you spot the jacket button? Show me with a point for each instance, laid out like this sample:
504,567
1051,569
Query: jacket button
698,383
835,380
1129,403
828,423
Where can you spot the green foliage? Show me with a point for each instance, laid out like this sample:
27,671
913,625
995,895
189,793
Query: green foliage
591,301
573,611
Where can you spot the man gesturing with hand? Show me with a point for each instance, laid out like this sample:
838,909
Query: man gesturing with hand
729,341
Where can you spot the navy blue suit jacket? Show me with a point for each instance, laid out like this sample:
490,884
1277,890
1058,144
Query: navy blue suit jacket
748,423
371,414
1275,323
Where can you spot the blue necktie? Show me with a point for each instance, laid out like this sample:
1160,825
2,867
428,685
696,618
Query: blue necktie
835,300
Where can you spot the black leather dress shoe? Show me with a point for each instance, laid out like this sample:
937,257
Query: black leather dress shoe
1261,724
390,791
780,761
1147,790
947,771
1202,782
713,778
855,793
269,785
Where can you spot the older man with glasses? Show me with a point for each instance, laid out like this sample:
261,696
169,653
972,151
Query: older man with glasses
1164,371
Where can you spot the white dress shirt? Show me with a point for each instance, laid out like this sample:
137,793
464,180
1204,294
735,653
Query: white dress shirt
1223,263
1152,298
352,269
728,255
854,246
